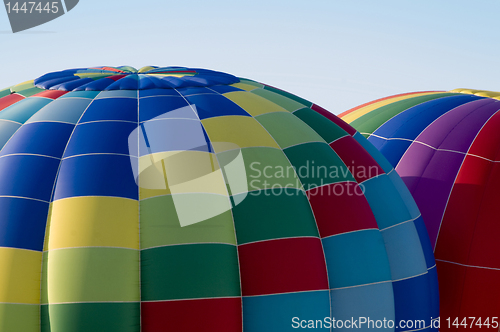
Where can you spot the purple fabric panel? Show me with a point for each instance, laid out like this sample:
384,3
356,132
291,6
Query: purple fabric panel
430,174
446,126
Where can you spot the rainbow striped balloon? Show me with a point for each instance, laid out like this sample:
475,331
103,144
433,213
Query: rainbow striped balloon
446,148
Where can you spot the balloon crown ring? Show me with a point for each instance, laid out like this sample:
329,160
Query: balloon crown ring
129,78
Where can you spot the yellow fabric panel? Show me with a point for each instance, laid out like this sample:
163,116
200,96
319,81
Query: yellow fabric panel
243,86
20,276
481,93
253,104
145,69
243,131
23,86
172,75
364,110
179,172
94,222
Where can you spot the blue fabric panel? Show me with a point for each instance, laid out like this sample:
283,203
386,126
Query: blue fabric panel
405,194
387,205
129,82
69,86
24,109
434,289
165,107
212,105
27,176
63,110
7,129
379,158
97,175
44,138
23,223
373,301
111,109
101,137
350,263
194,91
412,301
117,94
425,241
173,135
98,85
158,92
224,88
404,251
410,123
275,312
393,149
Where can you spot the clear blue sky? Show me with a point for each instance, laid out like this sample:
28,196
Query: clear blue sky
337,54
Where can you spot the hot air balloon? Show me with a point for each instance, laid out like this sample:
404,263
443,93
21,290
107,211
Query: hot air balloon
446,148
181,199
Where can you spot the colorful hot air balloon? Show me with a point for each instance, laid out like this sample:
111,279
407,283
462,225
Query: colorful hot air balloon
446,148
177,199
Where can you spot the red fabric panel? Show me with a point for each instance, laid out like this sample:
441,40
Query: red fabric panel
9,100
341,208
457,228
282,266
52,94
485,246
357,159
116,77
208,315
480,294
451,279
330,116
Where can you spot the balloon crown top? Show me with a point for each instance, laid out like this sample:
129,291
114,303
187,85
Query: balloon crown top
129,78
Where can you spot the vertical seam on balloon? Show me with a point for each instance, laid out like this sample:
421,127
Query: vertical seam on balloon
310,207
231,210
139,211
49,211
449,195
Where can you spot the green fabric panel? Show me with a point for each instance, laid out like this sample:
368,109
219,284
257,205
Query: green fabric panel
30,92
265,168
91,317
7,129
251,82
63,110
160,225
317,164
287,103
324,127
19,317
304,102
4,92
92,275
24,109
190,271
273,214
371,121
80,94
287,129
